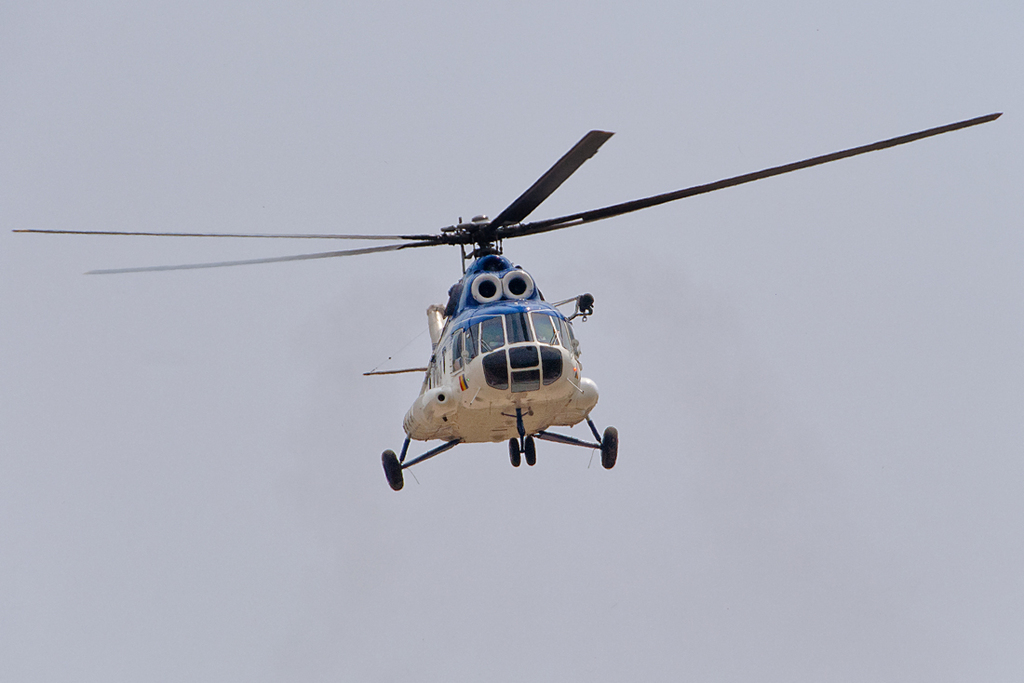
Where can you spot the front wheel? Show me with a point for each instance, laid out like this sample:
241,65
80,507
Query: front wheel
530,451
513,452
392,470
609,447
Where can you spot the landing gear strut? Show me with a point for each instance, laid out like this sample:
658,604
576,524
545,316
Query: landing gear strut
607,443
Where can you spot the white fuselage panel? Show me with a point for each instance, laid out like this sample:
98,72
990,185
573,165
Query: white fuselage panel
464,406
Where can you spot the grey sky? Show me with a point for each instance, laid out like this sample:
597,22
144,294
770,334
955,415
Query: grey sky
818,379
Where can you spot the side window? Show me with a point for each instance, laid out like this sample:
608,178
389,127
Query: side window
492,336
472,342
573,342
544,326
434,378
568,340
457,352
464,341
563,332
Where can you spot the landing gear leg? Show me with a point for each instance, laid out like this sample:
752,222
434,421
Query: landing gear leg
520,427
609,443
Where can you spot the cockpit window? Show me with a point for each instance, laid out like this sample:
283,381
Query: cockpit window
492,336
565,332
457,352
518,328
544,326
472,341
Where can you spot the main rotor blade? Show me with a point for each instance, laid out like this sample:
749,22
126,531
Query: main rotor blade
552,179
223,234
637,204
273,259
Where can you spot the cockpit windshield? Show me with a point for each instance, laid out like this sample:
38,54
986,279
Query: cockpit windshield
518,328
512,328
544,326
492,336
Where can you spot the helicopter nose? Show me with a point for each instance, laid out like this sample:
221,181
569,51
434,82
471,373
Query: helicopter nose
525,367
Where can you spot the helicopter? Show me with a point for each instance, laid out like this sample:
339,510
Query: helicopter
505,363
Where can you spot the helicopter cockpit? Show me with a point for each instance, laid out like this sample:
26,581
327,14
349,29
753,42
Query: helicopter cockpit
520,349
513,328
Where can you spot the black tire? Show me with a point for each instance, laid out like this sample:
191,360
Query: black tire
392,470
513,452
609,447
530,452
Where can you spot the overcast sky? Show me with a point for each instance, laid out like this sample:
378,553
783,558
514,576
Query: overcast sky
818,379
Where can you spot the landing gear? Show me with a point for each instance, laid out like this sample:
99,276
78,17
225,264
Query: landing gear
609,447
523,447
530,451
393,466
516,452
393,470
513,452
608,443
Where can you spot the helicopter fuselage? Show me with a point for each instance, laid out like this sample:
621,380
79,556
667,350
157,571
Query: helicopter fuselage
504,360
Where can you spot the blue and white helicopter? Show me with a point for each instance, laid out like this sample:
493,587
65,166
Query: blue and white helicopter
505,364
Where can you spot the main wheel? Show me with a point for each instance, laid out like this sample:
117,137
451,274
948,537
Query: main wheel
392,470
513,452
609,447
530,451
